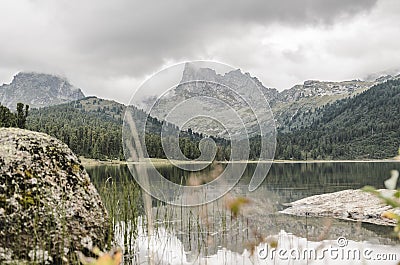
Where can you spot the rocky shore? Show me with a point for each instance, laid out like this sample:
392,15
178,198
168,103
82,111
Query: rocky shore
353,205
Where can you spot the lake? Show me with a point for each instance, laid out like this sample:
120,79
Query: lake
201,233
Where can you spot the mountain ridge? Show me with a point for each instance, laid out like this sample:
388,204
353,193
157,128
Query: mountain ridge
357,127
309,87
285,104
361,127
38,90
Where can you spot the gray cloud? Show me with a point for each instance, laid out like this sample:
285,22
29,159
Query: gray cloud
101,43
138,36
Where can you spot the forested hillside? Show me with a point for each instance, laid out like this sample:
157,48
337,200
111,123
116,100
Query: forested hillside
365,126
92,131
92,127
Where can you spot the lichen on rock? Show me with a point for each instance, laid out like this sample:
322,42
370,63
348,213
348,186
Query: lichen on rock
47,203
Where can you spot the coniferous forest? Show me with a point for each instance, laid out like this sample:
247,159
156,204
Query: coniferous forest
10,119
362,127
92,127
366,126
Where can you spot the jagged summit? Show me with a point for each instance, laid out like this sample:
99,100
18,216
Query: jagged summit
234,79
309,89
192,72
285,104
38,90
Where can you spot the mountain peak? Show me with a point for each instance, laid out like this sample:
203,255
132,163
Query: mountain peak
39,79
38,90
192,72
33,74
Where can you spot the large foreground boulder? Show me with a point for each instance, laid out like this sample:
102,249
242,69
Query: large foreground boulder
48,206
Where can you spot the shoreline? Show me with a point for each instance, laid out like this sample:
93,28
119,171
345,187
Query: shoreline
392,160
90,162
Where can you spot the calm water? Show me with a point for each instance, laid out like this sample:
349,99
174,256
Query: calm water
289,181
284,183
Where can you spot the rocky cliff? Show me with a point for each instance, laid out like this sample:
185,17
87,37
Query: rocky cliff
225,87
284,104
38,90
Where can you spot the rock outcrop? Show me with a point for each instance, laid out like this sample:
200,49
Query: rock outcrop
234,100
353,205
285,104
48,206
38,90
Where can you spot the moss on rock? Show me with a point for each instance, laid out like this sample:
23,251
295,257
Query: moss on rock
47,202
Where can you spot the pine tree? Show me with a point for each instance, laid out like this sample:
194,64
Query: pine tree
21,115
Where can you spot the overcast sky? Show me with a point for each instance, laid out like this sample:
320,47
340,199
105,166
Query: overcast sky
107,48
